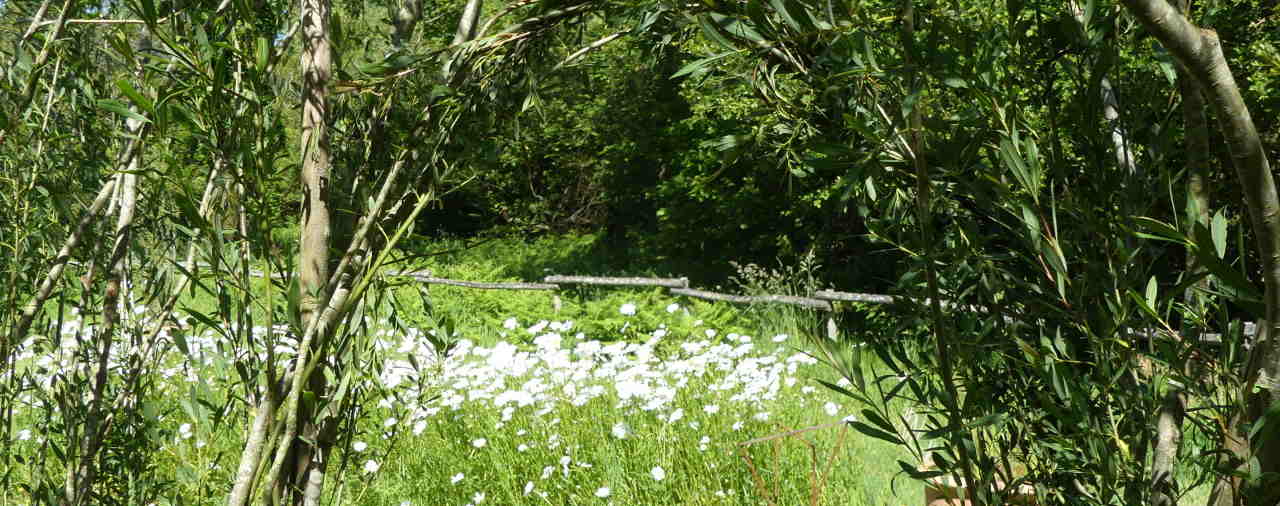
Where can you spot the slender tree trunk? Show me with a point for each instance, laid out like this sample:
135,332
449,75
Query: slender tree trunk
80,476
1200,52
1164,487
924,214
469,21
308,455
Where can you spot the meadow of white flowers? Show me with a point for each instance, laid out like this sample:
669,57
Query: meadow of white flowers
543,414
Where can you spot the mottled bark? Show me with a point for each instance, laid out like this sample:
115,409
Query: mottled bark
1164,489
1200,52
307,454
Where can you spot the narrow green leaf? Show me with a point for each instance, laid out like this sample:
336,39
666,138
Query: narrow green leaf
122,48
880,422
715,32
1220,234
875,433
1053,253
837,388
180,340
737,28
646,21
1228,275
699,66
917,473
137,98
1157,229
1143,305
1032,224
794,14
120,108
263,54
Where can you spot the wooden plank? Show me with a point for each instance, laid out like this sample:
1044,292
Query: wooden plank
750,299
872,298
615,281
484,286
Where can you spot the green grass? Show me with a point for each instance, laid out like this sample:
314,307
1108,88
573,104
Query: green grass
746,457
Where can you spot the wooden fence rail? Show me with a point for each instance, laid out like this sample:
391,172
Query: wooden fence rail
820,300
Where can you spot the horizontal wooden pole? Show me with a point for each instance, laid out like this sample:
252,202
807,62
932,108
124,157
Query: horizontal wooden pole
614,281
754,299
484,286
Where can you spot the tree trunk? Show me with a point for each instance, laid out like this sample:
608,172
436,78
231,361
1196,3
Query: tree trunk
1200,52
80,476
469,22
308,454
924,214
1164,487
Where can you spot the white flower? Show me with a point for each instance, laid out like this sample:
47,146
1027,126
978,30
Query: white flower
456,478
510,324
479,442
528,487
406,503
390,422
780,338
676,415
849,419
711,409
831,408
628,309
522,448
24,435
737,426
619,430
185,431
546,471
762,416
371,466
602,492
359,446
658,473
710,333
673,307
478,498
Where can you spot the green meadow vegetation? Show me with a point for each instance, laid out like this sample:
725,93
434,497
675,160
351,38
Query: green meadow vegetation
217,218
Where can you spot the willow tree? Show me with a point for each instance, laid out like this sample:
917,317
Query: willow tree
1256,480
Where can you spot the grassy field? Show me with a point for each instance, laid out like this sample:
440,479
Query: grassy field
610,396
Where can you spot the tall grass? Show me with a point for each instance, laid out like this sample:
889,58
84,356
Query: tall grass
621,396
